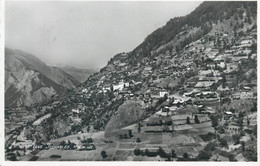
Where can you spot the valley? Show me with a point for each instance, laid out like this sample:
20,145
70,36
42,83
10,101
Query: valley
187,93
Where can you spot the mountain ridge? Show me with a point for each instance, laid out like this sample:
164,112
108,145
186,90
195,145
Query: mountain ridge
25,74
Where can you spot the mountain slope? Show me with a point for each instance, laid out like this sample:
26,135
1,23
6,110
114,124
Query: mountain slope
29,81
203,17
80,74
164,61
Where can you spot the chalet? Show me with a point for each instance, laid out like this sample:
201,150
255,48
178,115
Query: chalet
204,85
222,65
84,90
228,113
239,58
233,128
188,94
253,56
209,73
246,95
246,43
178,102
207,98
122,64
243,52
230,68
236,96
221,57
119,86
162,113
224,90
246,89
163,93
75,111
90,147
213,53
106,87
165,109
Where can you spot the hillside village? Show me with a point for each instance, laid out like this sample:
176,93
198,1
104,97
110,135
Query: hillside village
183,103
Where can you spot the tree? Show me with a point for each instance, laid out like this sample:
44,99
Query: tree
243,146
223,143
240,121
173,153
165,97
185,155
231,157
240,114
103,154
139,127
248,122
236,138
90,140
203,155
138,140
224,80
137,152
254,109
188,120
210,146
162,153
214,121
196,119
130,134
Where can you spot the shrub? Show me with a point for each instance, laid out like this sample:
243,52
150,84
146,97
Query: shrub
196,119
103,154
203,155
138,140
137,152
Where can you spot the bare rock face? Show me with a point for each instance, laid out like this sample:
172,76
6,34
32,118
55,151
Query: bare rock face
28,81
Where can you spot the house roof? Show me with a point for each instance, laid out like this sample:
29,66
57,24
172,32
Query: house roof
204,84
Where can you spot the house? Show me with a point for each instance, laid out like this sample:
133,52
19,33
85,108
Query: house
203,85
209,73
246,95
230,68
246,88
119,86
246,43
213,53
84,90
163,93
222,65
162,114
225,90
76,111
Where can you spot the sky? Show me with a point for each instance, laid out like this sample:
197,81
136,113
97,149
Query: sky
85,34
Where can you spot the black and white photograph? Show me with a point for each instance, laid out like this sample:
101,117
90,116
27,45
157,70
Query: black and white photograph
168,81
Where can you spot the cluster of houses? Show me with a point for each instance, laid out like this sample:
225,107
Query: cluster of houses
212,79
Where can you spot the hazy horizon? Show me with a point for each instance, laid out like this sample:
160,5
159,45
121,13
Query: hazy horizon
85,34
